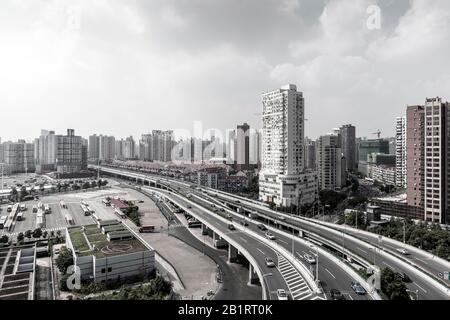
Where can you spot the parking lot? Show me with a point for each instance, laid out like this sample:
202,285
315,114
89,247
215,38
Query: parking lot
56,219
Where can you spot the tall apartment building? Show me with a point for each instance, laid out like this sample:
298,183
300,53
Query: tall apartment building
348,145
156,146
282,147
331,163
367,147
69,153
310,154
18,157
400,152
437,170
242,147
255,149
45,151
106,148
415,158
94,151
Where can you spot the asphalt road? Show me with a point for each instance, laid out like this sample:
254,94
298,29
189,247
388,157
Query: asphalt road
425,290
257,249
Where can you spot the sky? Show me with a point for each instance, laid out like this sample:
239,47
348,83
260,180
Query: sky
126,67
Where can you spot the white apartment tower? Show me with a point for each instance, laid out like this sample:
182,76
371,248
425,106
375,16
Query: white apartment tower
400,152
437,163
282,164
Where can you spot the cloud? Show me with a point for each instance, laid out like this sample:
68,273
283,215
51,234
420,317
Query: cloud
126,68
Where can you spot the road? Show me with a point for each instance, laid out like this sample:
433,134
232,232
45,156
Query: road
273,277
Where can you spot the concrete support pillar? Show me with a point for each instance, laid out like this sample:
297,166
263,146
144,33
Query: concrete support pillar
232,254
252,275
204,229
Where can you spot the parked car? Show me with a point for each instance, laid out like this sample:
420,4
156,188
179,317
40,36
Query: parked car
270,263
336,295
281,294
231,227
270,236
309,258
262,227
359,290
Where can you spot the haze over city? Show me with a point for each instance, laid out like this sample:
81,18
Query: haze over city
125,68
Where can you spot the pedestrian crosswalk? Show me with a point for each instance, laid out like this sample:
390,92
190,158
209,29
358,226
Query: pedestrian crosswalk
298,287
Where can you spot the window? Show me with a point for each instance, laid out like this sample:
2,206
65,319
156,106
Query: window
103,270
109,269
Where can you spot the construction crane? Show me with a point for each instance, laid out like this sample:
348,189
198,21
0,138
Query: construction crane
378,133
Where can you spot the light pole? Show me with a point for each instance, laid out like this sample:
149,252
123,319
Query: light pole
317,262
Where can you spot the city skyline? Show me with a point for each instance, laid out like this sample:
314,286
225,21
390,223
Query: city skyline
81,66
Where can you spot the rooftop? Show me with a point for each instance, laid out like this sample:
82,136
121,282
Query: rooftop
89,240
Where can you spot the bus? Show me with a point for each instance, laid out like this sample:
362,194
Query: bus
120,213
106,202
35,209
69,219
47,208
23,207
19,216
62,204
86,211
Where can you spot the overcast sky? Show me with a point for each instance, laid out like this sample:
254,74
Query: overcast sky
127,67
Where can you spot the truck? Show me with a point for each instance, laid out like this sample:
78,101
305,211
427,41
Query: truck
146,229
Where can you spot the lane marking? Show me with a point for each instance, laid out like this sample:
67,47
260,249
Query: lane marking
350,296
260,251
330,273
283,241
361,250
422,261
245,240
420,287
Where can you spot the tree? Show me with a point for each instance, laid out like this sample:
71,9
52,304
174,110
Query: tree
64,260
23,193
37,233
392,285
4,239
20,237
52,234
28,234
86,185
13,194
45,234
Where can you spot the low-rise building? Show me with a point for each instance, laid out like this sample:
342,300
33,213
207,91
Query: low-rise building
397,206
17,272
384,174
109,251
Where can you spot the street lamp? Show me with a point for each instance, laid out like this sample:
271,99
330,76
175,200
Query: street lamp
317,262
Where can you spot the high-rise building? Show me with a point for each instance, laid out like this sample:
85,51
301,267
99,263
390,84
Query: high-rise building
46,148
331,163
310,154
242,147
400,152
415,159
2,157
156,146
19,157
106,148
348,145
282,147
94,152
437,155
255,149
69,153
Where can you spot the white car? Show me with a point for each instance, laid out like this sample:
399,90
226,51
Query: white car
403,252
281,294
270,236
309,258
